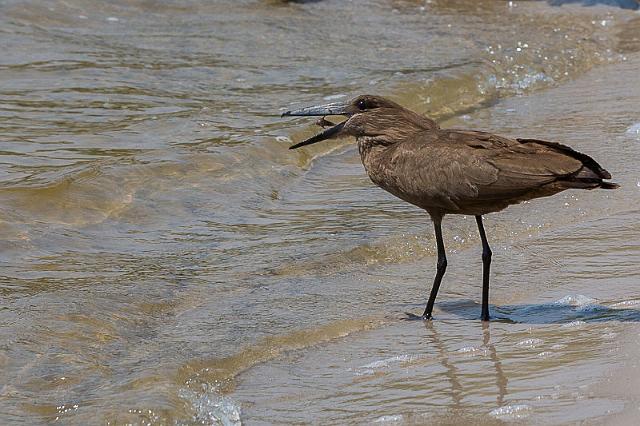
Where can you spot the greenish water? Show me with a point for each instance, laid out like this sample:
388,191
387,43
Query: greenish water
166,260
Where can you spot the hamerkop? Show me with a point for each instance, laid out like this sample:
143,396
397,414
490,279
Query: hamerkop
447,171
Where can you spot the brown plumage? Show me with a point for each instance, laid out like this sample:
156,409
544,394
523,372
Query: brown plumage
448,171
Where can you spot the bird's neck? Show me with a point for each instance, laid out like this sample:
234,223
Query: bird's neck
371,150
369,146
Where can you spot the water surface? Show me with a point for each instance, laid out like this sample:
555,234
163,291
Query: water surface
166,259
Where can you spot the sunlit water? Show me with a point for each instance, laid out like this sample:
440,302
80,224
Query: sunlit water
166,259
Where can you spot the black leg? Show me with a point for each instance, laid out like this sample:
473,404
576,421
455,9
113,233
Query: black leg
486,265
441,268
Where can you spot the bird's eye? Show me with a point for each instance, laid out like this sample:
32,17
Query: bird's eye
362,104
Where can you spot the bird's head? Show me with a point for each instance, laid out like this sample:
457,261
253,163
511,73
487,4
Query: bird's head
380,119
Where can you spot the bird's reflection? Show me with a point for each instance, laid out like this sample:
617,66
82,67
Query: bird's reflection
501,378
452,372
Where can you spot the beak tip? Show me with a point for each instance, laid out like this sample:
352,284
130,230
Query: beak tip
284,114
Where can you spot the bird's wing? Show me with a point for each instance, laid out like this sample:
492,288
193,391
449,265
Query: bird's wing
522,164
459,167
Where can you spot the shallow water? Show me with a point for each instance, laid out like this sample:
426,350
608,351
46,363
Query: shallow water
167,260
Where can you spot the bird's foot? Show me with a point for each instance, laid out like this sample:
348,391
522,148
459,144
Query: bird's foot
484,317
414,317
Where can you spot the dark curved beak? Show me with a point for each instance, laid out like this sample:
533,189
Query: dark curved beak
328,109
330,133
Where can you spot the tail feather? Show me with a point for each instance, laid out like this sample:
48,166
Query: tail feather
587,183
609,185
590,176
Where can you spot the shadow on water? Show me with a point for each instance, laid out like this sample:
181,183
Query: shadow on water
559,312
624,4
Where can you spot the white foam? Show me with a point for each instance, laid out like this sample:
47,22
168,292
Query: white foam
511,412
283,139
383,363
634,130
472,350
530,343
573,324
375,366
626,303
589,307
212,408
575,300
530,80
395,418
333,97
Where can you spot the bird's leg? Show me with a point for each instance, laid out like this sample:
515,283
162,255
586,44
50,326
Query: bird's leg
441,268
486,265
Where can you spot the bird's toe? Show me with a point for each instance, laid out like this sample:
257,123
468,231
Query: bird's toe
413,317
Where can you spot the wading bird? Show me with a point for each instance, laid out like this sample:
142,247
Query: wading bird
447,171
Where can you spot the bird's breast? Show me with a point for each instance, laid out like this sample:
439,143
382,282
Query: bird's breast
379,167
395,174
366,145
371,155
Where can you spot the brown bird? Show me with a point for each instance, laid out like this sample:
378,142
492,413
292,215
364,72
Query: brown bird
447,171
